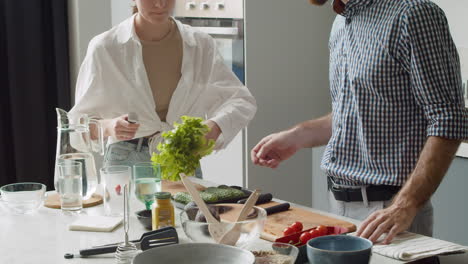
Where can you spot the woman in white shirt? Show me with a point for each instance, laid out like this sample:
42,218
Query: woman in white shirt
160,69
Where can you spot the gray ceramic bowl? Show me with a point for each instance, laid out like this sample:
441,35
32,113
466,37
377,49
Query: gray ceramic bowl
195,253
144,216
340,249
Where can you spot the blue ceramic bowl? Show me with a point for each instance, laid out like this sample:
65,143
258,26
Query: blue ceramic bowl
340,249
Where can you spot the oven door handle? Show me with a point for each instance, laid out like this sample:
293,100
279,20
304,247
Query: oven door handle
226,31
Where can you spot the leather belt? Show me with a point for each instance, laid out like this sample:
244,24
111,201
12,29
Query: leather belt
374,192
135,141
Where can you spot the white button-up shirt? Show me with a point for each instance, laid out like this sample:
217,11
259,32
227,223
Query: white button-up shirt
112,82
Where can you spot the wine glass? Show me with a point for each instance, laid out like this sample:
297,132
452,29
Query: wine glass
147,182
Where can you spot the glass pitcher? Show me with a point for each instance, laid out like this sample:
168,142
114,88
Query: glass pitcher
74,143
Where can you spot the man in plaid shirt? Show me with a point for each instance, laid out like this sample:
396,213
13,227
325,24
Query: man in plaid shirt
398,115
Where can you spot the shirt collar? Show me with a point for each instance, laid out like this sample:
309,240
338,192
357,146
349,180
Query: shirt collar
126,32
353,7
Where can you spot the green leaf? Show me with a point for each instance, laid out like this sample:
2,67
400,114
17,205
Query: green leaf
183,147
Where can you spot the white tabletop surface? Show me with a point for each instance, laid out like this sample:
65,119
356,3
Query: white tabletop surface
44,237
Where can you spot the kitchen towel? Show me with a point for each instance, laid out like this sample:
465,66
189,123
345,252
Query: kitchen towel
410,247
95,223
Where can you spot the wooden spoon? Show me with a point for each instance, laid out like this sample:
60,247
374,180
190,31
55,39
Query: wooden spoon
231,237
215,228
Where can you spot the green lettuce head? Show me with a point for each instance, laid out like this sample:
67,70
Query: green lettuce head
183,147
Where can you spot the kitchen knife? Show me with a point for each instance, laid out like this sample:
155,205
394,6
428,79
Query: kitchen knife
277,208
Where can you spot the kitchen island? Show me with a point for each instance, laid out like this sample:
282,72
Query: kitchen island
44,237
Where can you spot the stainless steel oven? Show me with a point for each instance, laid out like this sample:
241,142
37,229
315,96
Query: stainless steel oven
224,21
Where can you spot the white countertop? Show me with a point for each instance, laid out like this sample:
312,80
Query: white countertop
44,237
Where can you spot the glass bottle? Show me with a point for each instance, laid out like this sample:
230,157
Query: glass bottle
163,211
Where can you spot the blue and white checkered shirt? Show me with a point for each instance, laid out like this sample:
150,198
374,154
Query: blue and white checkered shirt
395,80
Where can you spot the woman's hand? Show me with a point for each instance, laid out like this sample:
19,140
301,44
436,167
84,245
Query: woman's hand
119,128
214,132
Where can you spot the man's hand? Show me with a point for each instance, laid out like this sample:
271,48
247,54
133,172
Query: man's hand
215,130
432,165
119,128
392,220
275,148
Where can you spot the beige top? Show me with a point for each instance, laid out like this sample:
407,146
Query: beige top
163,63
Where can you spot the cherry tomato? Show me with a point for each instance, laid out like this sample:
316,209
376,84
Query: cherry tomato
314,233
288,231
323,230
297,226
306,236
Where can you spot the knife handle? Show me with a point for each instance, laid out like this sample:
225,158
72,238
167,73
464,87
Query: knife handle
277,208
98,250
262,199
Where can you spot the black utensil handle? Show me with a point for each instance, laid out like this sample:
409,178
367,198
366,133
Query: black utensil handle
262,199
277,208
98,251
157,231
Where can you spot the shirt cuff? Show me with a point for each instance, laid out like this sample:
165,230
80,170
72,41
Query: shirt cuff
447,121
225,125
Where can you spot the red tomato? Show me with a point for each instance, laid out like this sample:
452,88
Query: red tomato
306,236
323,230
297,226
288,231
118,189
314,233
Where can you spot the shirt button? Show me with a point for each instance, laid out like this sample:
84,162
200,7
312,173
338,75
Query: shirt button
332,159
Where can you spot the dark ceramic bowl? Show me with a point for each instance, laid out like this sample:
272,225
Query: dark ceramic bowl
144,216
340,249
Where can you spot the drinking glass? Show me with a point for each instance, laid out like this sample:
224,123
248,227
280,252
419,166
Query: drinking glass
147,182
114,178
70,182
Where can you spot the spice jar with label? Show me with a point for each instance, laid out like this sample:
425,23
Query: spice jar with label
163,211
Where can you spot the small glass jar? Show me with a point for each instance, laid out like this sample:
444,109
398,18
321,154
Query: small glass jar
163,211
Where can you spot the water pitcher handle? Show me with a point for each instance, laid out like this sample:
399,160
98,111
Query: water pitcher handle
101,147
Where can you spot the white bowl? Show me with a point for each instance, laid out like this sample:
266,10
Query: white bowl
195,253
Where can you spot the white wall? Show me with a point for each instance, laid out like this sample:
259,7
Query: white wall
287,72
121,9
456,12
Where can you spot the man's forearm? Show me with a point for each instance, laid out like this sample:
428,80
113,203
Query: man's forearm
433,163
315,132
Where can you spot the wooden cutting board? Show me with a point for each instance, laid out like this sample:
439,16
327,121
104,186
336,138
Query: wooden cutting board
53,201
276,223
175,187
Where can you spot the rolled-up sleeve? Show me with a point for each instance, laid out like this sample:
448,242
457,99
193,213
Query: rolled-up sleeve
435,71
